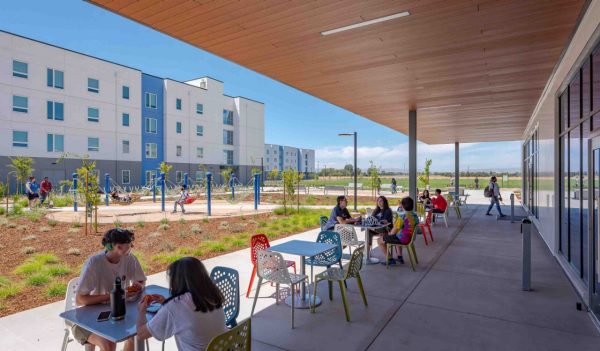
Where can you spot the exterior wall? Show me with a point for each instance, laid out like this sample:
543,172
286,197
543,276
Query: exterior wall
286,157
306,161
545,120
154,85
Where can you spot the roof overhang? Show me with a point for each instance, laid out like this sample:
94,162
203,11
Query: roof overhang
472,69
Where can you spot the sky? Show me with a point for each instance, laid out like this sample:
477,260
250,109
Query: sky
292,117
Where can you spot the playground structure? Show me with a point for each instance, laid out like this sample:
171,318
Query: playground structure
232,199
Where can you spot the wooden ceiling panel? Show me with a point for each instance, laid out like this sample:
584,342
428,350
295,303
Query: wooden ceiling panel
482,64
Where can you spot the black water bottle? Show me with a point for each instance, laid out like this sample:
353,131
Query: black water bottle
117,301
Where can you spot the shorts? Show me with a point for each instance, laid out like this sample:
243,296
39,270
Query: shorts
32,196
79,334
393,239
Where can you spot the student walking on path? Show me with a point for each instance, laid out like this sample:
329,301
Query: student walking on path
45,189
493,190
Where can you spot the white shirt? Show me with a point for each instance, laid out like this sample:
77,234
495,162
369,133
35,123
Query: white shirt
495,188
193,330
98,274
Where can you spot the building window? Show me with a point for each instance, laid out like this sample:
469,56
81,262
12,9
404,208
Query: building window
149,175
267,152
178,104
199,130
228,117
151,150
150,125
200,109
125,120
125,176
178,176
125,146
125,92
178,150
20,103
200,152
93,144
55,78
228,137
228,157
178,127
199,177
93,85
93,114
150,100
55,110
20,69
55,143
20,139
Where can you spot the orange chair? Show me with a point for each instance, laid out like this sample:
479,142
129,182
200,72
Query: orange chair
190,200
261,242
427,225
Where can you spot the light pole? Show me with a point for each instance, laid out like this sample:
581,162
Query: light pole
355,172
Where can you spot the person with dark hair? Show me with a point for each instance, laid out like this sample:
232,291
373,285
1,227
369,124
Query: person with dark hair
45,189
402,232
495,197
425,200
98,278
394,186
340,214
439,203
183,195
193,314
32,188
383,212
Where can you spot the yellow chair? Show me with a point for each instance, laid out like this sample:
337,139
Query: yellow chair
410,247
236,339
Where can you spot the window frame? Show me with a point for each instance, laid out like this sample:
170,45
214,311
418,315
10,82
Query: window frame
20,109
92,118
148,97
123,171
52,110
178,151
227,117
20,144
91,88
178,127
148,125
199,111
178,104
92,148
20,74
148,148
123,115
201,153
123,143
125,92
200,131
54,138
52,78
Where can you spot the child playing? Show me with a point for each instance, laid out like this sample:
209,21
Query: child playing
181,201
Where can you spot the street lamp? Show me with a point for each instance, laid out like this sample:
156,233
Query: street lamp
355,172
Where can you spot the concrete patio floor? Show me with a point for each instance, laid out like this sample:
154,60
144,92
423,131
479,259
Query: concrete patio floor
465,295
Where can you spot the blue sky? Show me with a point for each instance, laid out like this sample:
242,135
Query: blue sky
291,117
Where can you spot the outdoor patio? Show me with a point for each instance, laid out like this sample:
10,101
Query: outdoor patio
465,295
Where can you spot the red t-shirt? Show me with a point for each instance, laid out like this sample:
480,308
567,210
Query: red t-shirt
439,202
46,186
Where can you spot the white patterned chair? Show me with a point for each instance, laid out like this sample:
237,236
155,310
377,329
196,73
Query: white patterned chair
272,267
348,236
71,304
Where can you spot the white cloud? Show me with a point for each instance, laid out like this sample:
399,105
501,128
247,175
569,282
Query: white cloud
472,156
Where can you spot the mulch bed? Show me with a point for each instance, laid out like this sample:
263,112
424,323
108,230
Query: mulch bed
149,241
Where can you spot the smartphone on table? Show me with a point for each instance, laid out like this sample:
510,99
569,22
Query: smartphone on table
103,316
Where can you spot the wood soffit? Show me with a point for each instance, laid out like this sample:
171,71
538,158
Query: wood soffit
491,57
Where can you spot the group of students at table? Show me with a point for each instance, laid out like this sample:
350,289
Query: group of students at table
398,232
193,314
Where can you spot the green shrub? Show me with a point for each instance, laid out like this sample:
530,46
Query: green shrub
185,250
262,224
23,202
45,258
38,280
4,282
182,220
34,215
205,220
140,223
215,246
163,226
56,289
62,201
198,252
164,221
58,271
76,224
2,211
9,291
52,222
117,223
166,258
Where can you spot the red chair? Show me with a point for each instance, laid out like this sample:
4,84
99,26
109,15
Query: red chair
427,225
261,242
190,200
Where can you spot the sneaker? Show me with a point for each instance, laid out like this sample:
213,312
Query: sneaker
502,215
390,262
400,259
174,212
488,214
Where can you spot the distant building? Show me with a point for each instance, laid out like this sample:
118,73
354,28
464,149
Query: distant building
287,157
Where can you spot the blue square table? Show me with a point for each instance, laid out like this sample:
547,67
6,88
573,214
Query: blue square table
303,249
115,331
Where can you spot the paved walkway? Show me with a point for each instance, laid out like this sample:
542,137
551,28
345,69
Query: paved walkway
465,295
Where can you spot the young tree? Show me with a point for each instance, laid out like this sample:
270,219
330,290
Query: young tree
87,172
373,173
165,168
424,177
274,174
226,176
23,168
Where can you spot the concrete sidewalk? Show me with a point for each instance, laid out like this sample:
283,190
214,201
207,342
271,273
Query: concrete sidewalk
465,295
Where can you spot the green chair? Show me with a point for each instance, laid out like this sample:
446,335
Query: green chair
335,274
323,222
410,247
236,339
454,202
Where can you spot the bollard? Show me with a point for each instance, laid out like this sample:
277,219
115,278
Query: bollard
208,186
256,190
153,187
526,231
106,187
232,186
162,191
512,207
185,180
74,192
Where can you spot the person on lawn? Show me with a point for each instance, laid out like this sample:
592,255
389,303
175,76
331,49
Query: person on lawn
98,278
193,314
340,214
402,232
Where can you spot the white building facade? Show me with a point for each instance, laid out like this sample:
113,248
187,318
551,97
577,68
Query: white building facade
283,157
55,102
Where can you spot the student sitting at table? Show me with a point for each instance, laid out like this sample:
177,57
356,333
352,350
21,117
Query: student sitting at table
98,278
402,231
340,214
383,212
425,200
194,312
439,203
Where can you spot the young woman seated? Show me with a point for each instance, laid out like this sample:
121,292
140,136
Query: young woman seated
402,232
194,312
383,212
425,200
340,214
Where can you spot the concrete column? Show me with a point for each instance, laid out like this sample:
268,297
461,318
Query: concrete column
456,167
412,154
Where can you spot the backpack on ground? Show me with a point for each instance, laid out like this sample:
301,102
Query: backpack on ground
488,192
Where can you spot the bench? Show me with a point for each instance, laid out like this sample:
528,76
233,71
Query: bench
328,188
358,185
